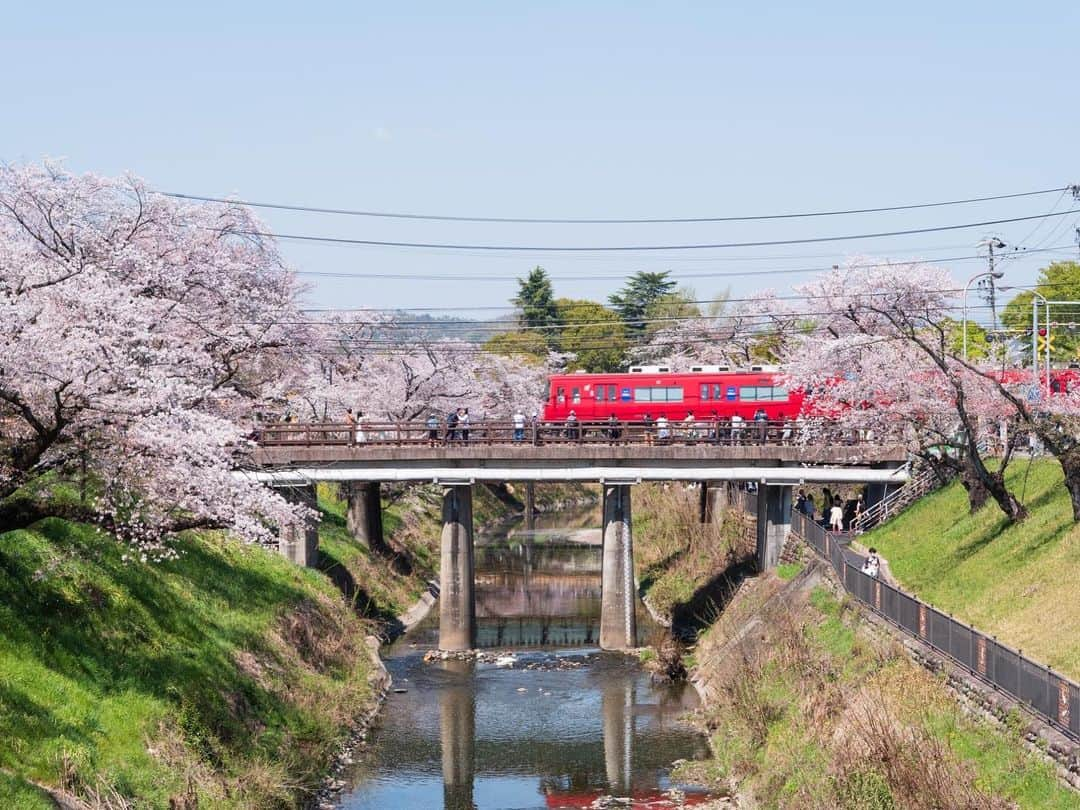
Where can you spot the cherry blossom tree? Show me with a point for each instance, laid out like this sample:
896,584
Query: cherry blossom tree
355,366
755,330
141,336
884,329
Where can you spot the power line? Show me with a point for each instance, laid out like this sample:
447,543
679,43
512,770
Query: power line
338,240
604,221
681,275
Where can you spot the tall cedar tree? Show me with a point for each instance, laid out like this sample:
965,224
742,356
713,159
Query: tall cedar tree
641,291
536,299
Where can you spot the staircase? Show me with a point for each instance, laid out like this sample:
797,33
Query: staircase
921,483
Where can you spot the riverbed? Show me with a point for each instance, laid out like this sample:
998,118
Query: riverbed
543,719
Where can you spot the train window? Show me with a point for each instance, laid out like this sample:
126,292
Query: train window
575,396
704,392
599,393
611,393
675,394
659,394
643,395
717,391
561,396
763,393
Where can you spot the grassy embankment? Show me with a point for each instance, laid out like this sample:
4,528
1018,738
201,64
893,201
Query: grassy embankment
814,710
680,562
226,677
1016,582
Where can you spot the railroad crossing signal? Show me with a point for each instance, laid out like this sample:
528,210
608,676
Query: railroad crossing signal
1044,342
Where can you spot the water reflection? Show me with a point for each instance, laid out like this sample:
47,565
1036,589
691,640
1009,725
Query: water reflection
557,728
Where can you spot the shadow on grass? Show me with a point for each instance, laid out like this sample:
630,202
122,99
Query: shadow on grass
689,618
169,631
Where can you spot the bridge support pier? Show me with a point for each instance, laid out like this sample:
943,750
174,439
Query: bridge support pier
457,601
364,513
715,498
618,625
300,544
773,523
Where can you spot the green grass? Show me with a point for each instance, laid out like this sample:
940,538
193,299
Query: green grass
786,723
788,571
227,674
1013,581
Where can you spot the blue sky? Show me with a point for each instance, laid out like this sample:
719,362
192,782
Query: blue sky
565,110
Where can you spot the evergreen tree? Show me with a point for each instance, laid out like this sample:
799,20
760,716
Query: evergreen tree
641,291
536,300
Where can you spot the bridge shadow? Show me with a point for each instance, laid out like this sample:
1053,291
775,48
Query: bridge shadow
689,618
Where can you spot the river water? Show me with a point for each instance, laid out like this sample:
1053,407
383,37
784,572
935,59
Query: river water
545,720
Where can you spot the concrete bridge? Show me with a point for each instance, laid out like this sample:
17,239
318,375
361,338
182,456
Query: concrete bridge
774,465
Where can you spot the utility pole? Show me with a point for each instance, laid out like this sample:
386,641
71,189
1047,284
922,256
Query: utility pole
991,244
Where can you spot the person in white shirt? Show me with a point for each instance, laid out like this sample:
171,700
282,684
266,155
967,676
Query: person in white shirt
836,517
736,429
518,420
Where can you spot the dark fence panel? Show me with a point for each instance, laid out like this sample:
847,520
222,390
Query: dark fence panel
1052,696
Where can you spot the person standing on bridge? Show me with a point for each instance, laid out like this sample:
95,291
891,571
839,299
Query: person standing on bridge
463,422
647,421
452,426
350,421
761,419
518,420
572,428
613,429
736,429
663,432
433,430
360,436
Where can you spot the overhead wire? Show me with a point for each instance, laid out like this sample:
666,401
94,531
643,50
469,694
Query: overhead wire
604,221
338,240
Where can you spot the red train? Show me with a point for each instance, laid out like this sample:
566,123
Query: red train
657,391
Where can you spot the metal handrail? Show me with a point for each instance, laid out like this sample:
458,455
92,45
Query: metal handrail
1050,695
504,432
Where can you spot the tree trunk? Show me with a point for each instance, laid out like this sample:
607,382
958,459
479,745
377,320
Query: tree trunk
1009,503
977,492
1070,465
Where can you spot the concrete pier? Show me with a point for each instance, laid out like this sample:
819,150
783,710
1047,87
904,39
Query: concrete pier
457,732
773,524
715,498
300,544
618,625
457,599
364,513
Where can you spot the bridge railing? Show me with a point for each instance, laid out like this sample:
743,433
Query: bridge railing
1049,694
492,432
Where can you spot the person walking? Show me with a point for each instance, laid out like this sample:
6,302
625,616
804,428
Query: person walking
872,565
800,501
647,421
836,516
518,421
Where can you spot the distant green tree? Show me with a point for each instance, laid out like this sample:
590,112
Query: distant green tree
1058,281
525,345
536,300
641,291
670,308
593,333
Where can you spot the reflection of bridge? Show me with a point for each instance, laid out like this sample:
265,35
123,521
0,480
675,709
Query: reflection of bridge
296,463
619,715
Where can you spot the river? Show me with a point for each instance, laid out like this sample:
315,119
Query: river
544,720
